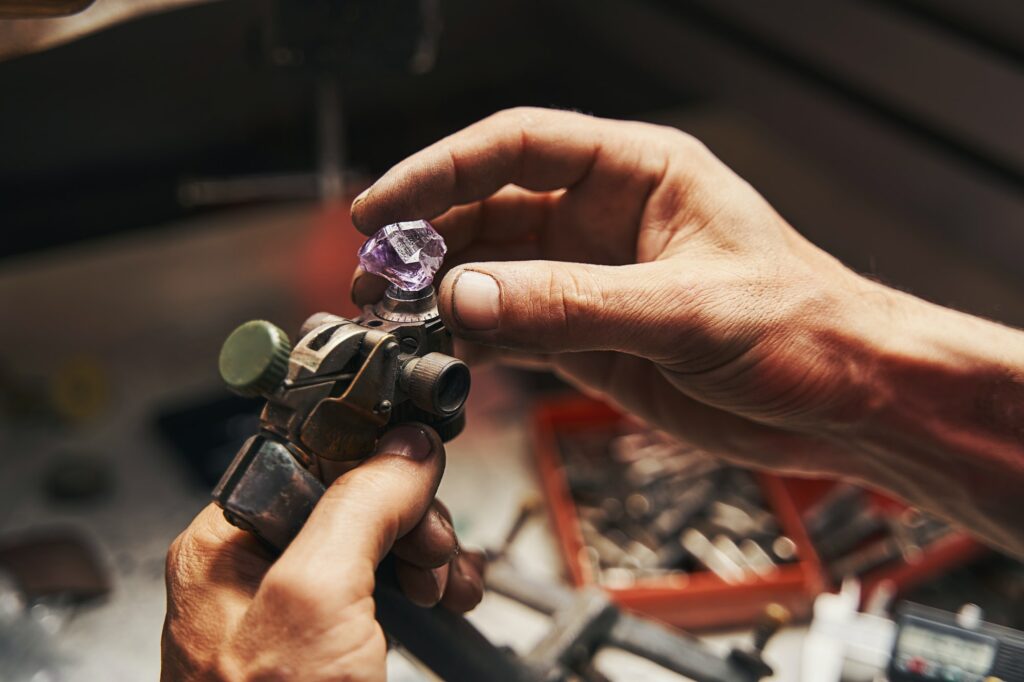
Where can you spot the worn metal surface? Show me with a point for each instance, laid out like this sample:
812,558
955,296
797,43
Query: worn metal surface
348,380
267,492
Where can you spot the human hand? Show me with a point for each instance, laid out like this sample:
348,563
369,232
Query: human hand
634,263
630,260
233,612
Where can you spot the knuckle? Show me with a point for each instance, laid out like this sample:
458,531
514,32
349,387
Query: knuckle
686,143
527,116
173,552
675,140
517,114
185,565
199,539
572,295
179,552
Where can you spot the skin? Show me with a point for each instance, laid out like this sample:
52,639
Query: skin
233,613
629,260
637,266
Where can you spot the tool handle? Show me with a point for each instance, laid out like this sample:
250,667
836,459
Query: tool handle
266,492
443,641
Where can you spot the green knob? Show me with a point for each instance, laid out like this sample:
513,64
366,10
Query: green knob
254,359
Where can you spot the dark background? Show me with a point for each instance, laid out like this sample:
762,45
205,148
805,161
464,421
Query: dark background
918,103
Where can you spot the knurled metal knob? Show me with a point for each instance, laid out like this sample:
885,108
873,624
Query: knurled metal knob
437,383
254,358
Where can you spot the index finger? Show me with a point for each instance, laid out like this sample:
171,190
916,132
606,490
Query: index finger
537,149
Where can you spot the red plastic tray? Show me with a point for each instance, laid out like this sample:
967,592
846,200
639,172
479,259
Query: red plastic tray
953,550
702,600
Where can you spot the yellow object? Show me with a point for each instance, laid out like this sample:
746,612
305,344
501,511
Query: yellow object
81,389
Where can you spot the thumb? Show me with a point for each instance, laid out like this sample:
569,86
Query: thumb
552,307
361,515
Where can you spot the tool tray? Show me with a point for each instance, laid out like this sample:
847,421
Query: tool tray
954,549
700,599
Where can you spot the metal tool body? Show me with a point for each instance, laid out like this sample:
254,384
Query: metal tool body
329,399
585,621
349,379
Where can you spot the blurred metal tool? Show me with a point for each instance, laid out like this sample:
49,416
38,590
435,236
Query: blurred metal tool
528,508
585,621
771,620
909,534
711,557
862,524
757,558
840,502
853,536
651,508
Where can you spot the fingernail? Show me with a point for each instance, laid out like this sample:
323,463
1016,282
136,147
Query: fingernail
465,566
445,525
440,578
360,196
477,301
407,441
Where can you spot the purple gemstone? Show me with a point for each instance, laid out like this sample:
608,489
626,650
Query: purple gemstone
406,254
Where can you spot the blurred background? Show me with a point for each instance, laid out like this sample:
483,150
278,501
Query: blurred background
171,168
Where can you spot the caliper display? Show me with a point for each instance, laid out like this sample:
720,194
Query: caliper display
946,649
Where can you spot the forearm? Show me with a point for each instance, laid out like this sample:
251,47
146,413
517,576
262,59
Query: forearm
947,428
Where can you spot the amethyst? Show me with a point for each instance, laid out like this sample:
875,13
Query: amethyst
407,254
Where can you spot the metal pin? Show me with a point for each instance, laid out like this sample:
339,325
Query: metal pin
702,549
670,522
638,506
617,578
758,559
784,548
725,545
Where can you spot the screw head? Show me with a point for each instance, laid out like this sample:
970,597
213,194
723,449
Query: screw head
254,358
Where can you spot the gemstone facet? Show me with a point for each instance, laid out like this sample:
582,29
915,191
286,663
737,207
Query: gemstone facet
407,254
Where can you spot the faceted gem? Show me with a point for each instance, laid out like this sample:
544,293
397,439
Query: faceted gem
407,254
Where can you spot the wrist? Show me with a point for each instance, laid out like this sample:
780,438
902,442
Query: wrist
941,379
944,421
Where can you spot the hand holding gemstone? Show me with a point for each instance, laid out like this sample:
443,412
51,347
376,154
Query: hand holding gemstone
407,254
